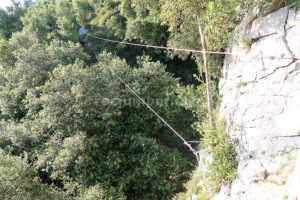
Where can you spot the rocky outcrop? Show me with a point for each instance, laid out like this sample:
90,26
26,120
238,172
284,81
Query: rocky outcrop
260,101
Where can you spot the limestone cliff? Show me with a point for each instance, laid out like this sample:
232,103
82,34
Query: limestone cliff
260,101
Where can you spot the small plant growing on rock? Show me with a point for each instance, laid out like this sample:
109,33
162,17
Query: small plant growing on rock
218,166
286,197
194,190
294,4
242,84
247,42
222,149
276,5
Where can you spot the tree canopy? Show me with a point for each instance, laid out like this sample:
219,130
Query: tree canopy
69,129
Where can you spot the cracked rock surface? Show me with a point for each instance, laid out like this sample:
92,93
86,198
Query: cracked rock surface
260,101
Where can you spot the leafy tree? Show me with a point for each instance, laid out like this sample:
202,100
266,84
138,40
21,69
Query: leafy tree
82,127
82,130
83,100
10,20
7,58
29,62
97,192
183,18
66,20
52,19
18,181
138,21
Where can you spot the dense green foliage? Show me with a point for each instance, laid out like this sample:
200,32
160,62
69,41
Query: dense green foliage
294,4
219,159
68,122
18,181
219,155
10,20
222,149
193,188
71,117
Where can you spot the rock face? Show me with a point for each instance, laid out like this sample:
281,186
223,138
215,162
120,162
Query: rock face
260,93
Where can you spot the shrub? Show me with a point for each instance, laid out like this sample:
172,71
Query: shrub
193,188
247,42
18,181
294,4
98,193
218,157
223,167
81,130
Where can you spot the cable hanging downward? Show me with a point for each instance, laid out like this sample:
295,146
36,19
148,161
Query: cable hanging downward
194,151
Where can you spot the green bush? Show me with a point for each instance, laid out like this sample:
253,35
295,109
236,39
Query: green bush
294,4
73,117
18,181
193,188
223,167
98,193
82,127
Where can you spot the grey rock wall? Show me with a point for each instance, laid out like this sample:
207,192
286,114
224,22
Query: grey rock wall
260,101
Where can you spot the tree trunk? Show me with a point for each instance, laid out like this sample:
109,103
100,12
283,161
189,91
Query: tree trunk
207,79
